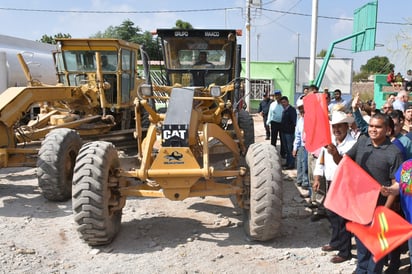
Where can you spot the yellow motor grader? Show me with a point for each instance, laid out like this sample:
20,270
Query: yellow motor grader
97,84
200,142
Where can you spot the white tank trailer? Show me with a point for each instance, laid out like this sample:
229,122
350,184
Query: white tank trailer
37,55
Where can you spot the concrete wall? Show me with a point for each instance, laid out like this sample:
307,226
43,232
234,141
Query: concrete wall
281,73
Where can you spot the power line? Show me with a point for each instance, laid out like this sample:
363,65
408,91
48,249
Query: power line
191,10
334,18
116,12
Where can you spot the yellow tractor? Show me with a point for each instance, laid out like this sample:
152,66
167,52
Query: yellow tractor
200,142
97,84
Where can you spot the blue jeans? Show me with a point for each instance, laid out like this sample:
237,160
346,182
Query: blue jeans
302,167
410,251
287,140
366,265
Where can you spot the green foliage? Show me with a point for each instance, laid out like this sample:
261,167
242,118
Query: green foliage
151,45
361,76
322,54
377,64
129,32
182,25
52,39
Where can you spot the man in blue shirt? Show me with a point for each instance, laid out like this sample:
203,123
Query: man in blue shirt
275,117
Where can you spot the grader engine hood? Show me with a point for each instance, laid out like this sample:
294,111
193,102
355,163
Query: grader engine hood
175,129
175,153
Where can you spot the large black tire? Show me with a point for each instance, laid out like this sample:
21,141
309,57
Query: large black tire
55,163
263,218
245,121
95,192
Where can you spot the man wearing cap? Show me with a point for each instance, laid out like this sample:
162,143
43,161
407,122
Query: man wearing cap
342,141
299,150
263,110
275,117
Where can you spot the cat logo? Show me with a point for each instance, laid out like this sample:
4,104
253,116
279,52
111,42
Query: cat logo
174,156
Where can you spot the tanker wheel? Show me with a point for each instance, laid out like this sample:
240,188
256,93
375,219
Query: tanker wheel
55,163
245,121
262,219
96,196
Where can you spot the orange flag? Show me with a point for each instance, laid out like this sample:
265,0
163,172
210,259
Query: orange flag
316,122
387,231
353,192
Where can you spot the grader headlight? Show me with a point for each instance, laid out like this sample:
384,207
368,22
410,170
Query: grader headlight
146,89
215,91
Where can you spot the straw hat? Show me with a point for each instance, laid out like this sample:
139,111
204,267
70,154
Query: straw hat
339,117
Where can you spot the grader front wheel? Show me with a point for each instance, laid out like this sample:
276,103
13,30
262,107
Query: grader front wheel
96,198
55,164
263,218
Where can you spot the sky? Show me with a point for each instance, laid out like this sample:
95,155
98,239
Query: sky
280,31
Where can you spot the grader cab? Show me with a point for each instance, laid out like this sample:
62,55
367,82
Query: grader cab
200,142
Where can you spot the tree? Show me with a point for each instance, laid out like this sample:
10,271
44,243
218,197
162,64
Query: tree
378,64
182,25
52,39
150,45
322,54
375,65
129,32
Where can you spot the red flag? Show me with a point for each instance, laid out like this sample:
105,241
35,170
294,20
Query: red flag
387,231
353,193
316,121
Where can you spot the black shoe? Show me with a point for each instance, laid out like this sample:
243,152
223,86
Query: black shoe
267,138
338,259
311,205
316,217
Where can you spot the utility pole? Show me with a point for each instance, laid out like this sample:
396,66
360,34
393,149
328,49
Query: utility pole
313,38
247,81
257,46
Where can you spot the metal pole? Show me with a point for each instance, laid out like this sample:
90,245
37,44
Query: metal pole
247,81
257,46
313,38
297,86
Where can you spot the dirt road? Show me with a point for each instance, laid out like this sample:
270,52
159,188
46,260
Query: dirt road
157,235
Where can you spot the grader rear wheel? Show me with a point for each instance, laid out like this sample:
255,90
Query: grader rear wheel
245,121
96,198
55,164
263,218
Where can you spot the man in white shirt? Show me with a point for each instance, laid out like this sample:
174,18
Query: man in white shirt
338,100
326,164
275,117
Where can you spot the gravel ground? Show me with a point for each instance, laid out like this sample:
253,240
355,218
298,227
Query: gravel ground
157,235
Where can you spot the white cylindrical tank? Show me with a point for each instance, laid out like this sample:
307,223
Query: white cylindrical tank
38,57
3,71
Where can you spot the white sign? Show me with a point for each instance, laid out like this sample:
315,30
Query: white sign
338,74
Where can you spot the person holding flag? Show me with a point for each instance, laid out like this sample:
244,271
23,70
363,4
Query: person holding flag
380,159
342,141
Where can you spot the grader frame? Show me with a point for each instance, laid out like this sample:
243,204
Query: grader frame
195,145
84,99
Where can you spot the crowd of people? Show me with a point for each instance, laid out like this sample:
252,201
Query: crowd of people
399,82
378,140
